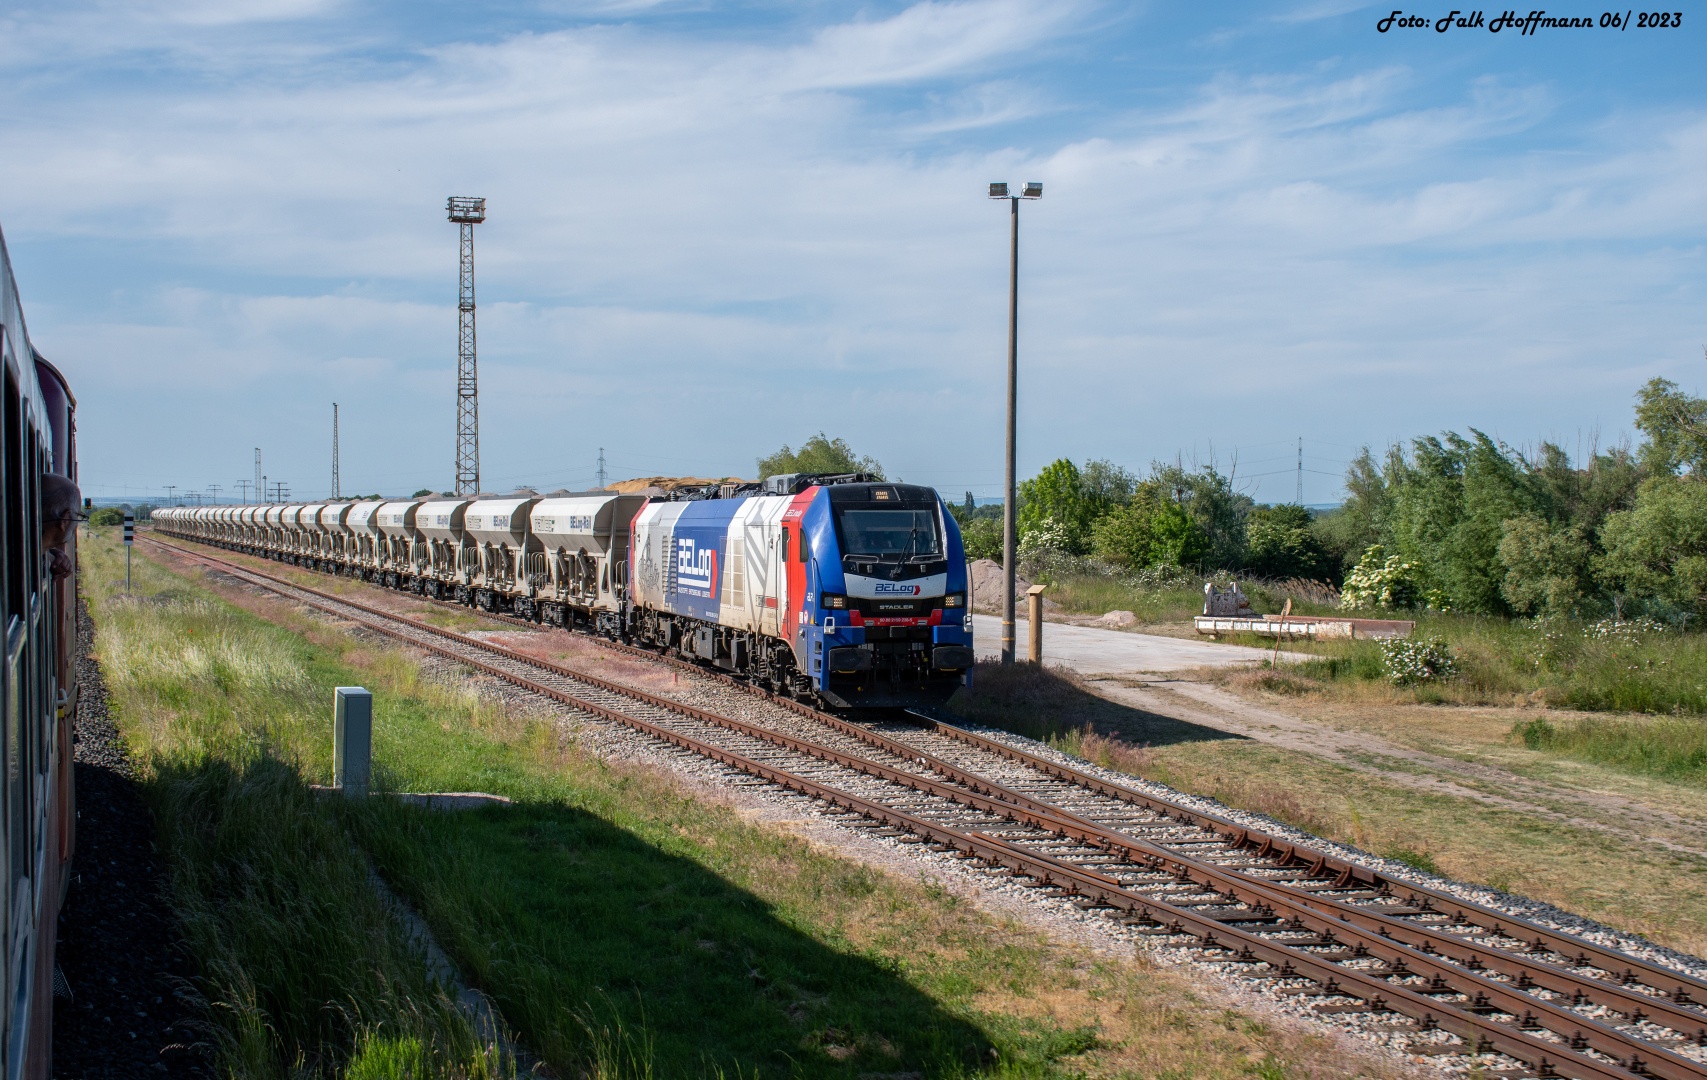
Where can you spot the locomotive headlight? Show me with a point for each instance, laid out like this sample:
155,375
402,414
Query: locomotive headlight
954,599
835,600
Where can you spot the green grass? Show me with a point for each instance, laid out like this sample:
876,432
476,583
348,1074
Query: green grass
624,928
1086,594
1674,749
1506,662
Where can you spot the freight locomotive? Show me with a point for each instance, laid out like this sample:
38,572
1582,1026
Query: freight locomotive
842,590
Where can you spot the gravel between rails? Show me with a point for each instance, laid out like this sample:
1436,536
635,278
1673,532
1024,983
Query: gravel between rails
132,1013
614,740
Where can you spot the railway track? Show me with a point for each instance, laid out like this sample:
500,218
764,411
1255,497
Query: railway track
1463,978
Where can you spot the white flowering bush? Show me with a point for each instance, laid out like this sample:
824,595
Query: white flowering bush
1623,631
1381,581
1048,538
1410,661
1163,576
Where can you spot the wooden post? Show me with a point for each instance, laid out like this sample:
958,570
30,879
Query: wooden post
1285,613
352,740
1035,596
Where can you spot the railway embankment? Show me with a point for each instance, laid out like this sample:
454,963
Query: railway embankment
628,916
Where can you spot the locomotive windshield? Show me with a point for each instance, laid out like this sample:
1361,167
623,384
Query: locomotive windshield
898,532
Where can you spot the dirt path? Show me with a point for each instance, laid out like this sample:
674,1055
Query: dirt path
1621,806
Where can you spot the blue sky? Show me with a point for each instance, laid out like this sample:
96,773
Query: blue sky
718,228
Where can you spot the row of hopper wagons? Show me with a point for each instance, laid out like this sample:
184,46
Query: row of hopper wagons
568,569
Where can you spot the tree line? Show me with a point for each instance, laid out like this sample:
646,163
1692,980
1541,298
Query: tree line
1468,523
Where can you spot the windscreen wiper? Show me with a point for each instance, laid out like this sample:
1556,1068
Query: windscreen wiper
906,553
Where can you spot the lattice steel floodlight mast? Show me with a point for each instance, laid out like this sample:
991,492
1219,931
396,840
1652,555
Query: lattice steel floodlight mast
334,451
467,213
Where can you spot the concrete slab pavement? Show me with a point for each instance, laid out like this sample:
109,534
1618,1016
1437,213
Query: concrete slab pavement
1093,650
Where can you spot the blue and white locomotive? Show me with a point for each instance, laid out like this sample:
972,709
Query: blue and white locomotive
855,593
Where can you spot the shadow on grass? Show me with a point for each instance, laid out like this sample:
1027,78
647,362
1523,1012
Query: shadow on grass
1048,704
614,956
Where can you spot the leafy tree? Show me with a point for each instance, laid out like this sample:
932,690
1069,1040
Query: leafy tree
1108,482
423,493
1148,531
1280,544
107,515
1659,547
1209,499
1547,566
1348,532
1450,501
1676,427
1057,494
818,454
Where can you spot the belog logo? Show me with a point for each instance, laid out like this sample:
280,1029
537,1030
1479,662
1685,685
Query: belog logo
886,589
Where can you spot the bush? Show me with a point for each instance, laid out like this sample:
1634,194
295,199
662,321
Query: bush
1381,580
1546,566
1056,500
1623,631
1280,544
1411,661
107,515
982,538
1147,532
1045,537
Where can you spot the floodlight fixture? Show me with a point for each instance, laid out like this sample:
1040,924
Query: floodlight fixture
1033,189
466,211
998,191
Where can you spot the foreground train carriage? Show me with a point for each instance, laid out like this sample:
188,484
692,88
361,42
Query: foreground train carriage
39,619
852,593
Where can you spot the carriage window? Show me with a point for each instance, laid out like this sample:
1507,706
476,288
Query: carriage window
785,543
805,549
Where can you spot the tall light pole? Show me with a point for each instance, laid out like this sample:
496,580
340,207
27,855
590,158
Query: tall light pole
1010,542
466,212
334,451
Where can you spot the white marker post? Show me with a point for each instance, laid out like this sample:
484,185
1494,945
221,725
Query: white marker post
129,539
352,740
